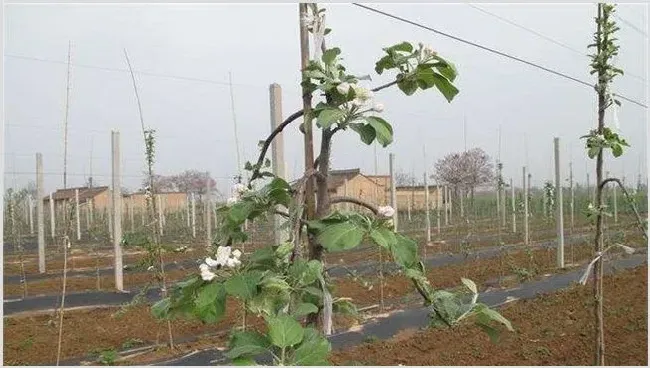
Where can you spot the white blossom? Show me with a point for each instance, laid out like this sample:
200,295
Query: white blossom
239,188
211,262
343,88
233,262
207,275
363,94
223,253
357,102
386,211
428,52
379,107
150,268
232,200
236,253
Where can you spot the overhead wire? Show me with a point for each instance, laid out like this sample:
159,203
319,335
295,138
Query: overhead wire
491,50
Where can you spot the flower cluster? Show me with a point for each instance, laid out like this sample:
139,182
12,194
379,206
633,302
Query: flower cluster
386,211
426,52
237,191
363,95
225,257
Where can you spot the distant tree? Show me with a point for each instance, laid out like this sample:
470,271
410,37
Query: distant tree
403,179
188,181
464,170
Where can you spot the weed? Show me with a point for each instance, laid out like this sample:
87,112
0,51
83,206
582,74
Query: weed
27,343
370,339
107,357
131,342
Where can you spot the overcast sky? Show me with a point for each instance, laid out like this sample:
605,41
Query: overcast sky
259,45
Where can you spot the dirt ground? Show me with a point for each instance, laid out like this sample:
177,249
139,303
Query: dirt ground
33,339
555,329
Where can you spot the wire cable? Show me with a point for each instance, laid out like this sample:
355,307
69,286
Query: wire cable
503,54
549,39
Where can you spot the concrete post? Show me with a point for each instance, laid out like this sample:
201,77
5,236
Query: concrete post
117,210
39,213
571,193
393,192
109,211
462,206
91,211
525,186
445,199
438,205
346,193
187,209
514,207
559,216
451,204
277,154
52,217
131,213
208,212
426,209
77,217
160,216
193,216
30,204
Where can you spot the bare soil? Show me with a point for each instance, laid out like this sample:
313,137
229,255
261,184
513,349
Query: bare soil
555,329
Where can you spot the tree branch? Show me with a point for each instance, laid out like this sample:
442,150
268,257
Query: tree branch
291,118
355,201
629,201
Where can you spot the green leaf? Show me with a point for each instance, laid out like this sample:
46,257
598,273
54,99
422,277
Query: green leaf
404,251
593,152
211,303
383,237
329,116
408,86
384,63
304,309
313,351
341,236
276,283
470,285
243,361
344,306
366,132
492,332
495,316
284,331
617,150
445,87
161,308
383,130
402,46
243,285
329,56
247,343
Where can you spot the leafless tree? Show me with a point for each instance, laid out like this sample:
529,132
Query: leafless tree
464,170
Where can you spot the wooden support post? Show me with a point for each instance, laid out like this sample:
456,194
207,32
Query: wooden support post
193,215
52,217
514,207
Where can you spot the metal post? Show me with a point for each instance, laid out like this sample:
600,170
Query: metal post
559,216
77,217
39,213
525,185
117,210
393,192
